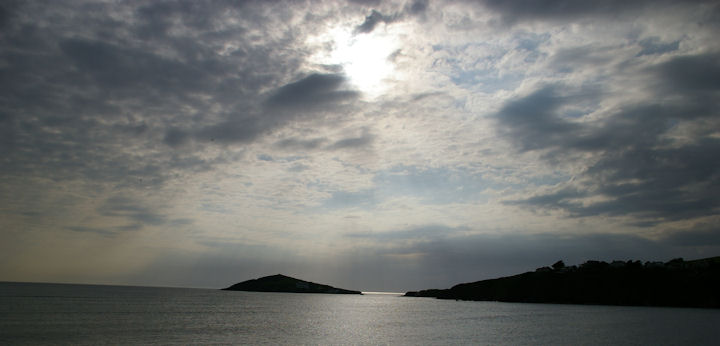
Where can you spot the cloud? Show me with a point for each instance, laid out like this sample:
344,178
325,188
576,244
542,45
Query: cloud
418,7
635,169
300,144
667,184
106,231
298,167
366,2
564,198
131,209
92,101
67,94
234,130
350,199
134,213
113,67
566,60
362,141
653,45
175,137
312,91
690,74
653,184
514,11
533,122
702,236
6,12
419,233
371,21
414,8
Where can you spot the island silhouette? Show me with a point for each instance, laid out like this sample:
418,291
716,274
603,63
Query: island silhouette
282,283
674,283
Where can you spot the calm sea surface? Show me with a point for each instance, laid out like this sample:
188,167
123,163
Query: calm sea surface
86,314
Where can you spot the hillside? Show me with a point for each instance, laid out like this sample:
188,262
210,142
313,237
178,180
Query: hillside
282,283
674,283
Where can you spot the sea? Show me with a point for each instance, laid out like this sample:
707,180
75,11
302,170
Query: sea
52,314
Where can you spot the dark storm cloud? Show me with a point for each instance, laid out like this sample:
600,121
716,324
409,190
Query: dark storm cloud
659,184
6,12
300,99
373,20
233,131
157,17
114,67
312,91
653,45
88,96
523,10
176,137
638,169
415,8
692,74
533,121
550,9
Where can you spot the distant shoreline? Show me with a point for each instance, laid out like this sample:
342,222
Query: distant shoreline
676,283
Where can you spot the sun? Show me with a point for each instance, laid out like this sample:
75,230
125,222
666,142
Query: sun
365,58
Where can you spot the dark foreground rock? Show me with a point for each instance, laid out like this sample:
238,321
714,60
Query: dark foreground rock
282,283
674,283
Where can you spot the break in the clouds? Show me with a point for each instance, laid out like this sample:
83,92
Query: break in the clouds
375,145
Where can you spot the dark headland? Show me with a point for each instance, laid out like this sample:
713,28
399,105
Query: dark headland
282,283
675,283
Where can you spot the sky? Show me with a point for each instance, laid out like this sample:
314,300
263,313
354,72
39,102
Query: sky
369,145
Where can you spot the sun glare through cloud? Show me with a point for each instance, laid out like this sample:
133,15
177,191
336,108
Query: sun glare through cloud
365,58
